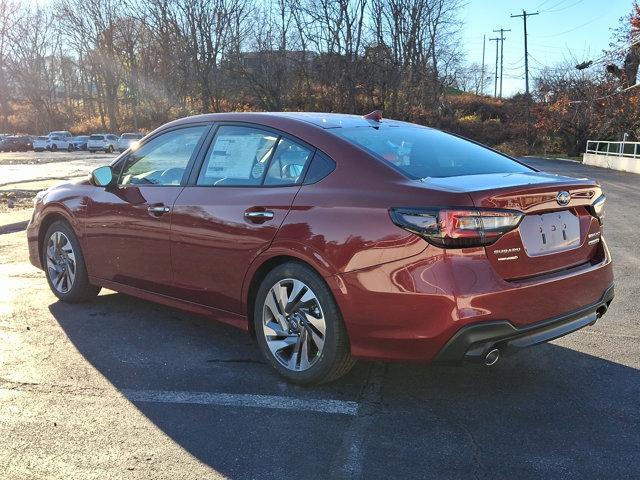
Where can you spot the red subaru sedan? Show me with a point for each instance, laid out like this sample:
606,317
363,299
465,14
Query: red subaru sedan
334,237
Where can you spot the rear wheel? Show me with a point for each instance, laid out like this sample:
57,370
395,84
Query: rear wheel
299,327
110,149
69,148
64,265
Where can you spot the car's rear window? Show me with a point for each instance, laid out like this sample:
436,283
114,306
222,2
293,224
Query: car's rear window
421,152
96,137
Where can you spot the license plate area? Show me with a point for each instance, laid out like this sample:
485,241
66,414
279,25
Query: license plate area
550,233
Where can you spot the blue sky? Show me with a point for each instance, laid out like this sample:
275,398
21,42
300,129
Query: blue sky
565,29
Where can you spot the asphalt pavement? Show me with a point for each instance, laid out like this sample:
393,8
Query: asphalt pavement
125,389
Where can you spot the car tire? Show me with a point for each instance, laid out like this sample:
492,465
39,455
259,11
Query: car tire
54,148
69,148
64,265
109,149
311,309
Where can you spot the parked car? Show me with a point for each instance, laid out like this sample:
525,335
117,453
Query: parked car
16,143
80,142
55,143
127,140
104,142
40,144
62,134
334,237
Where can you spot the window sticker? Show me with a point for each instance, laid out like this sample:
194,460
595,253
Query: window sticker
233,156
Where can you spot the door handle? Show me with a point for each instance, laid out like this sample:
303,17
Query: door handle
258,216
158,209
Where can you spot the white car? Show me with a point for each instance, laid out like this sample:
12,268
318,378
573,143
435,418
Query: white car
55,143
127,140
105,142
62,134
40,144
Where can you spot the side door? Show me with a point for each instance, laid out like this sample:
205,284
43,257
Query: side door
128,226
231,210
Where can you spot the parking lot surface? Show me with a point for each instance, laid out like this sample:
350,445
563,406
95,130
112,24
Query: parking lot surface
122,388
21,167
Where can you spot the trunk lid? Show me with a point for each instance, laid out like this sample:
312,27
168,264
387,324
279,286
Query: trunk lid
552,236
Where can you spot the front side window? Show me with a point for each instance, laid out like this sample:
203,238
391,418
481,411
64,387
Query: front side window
238,156
164,159
423,152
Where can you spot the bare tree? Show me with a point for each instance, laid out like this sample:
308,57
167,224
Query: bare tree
8,11
35,61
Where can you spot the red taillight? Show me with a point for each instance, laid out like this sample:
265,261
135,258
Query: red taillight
457,227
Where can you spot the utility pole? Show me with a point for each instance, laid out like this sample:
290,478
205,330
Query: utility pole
502,39
524,16
495,84
484,44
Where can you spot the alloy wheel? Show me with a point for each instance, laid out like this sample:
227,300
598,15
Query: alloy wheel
61,262
293,324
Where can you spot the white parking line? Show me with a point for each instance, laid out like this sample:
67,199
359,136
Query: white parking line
243,400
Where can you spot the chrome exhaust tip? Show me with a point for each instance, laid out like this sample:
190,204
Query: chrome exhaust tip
492,357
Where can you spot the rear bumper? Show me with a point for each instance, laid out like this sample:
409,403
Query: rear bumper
473,342
410,309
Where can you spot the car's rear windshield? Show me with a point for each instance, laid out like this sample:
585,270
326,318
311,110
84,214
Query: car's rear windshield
96,137
421,152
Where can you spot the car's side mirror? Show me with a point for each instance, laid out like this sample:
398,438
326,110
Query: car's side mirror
102,176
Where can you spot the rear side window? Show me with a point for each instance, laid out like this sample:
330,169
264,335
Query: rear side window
422,152
238,156
288,164
320,167
96,137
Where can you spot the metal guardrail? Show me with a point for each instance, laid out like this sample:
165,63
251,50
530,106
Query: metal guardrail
620,149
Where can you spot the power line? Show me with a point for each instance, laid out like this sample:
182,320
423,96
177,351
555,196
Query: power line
563,8
573,29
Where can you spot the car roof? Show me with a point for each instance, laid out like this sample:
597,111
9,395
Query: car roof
318,119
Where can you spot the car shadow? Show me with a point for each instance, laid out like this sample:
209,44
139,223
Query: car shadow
547,412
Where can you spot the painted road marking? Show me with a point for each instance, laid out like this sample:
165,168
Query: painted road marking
243,400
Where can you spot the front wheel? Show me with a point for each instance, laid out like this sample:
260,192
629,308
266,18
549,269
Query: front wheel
299,327
64,265
54,148
110,149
